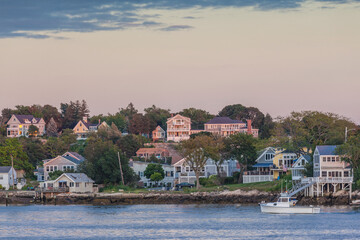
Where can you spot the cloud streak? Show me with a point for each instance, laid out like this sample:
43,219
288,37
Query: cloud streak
23,18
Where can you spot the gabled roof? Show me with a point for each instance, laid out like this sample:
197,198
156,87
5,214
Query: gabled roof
77,177
223,120
306,157
178,116
75,155
30,118
5,169
326,149
74,160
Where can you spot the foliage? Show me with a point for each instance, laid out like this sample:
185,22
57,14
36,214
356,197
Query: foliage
351,154
196,152
55,174
51,128
129,144
241,147
34,149
102,163
116,119
194,135
11,147
33,131
157,117
198,117
154,168
73,112
310,128
156,177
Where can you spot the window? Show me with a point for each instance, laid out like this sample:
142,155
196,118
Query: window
333,159
346,174
324,159
77,184
187,169
337,159
328,159
1,177
55,168
47,168
51,168
71,184
323,174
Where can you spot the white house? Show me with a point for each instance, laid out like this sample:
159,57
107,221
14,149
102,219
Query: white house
178,128
69,161
72,182
18,125
139,168
328,164
7,177
184,173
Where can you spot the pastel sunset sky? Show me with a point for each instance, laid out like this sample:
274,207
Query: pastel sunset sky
278,56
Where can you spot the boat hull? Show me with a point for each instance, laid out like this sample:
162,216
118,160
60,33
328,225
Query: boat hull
289,210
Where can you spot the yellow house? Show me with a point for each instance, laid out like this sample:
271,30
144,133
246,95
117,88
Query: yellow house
282,162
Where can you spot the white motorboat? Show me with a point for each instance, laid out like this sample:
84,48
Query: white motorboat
286,204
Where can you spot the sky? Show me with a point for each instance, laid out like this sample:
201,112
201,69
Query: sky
278,56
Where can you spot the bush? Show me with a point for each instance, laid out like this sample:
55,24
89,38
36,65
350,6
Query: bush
236,176
229,180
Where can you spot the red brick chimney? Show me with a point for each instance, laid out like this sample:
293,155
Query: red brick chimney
249,127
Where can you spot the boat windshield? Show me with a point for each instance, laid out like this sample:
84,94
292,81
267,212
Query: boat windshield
283,200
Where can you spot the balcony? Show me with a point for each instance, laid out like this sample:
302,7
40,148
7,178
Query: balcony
327,180
257,173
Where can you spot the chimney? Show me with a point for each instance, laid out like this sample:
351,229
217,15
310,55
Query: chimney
99,121
249,127
172,115
85,119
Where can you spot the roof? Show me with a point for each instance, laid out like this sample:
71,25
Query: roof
5,169
76,155
151,150
77,177
74,160
223,120
263,165
22,118
326,149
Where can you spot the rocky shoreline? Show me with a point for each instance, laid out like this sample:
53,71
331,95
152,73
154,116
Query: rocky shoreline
225,197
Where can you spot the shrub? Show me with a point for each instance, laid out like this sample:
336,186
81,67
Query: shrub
229,180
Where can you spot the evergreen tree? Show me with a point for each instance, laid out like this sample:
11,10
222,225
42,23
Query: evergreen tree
51,128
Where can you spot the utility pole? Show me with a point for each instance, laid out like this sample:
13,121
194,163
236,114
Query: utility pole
121,172
12,171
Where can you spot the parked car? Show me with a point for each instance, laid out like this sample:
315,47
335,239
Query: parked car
184,185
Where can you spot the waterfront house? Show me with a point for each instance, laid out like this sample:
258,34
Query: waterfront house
282,162
158,134
225,126
75,182
184,173
67,162
39,173
298,168
178,128
18,125
328,164
7,177
83,128
139,168
263,167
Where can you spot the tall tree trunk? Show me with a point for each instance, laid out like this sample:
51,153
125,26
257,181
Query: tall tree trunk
197,180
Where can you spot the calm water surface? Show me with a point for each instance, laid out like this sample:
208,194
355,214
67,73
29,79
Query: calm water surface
173,222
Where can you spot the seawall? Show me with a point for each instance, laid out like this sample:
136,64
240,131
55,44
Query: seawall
226,197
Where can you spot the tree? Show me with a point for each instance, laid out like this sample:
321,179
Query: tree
73,112
51,128
351,154
129,144
11,148
198,117
196,152
102,163
156,177
157,117
33,131
267,127
139,124
241,147
154,171
34,149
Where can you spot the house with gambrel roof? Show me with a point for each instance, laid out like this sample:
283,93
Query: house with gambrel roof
18,125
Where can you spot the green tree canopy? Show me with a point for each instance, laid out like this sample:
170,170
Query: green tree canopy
154,168
11,147
198,117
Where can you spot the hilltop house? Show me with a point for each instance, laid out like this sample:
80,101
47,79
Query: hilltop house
67,162
158,134
18,125
225,126
178,128
7,177
328,164
184,173
83,128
